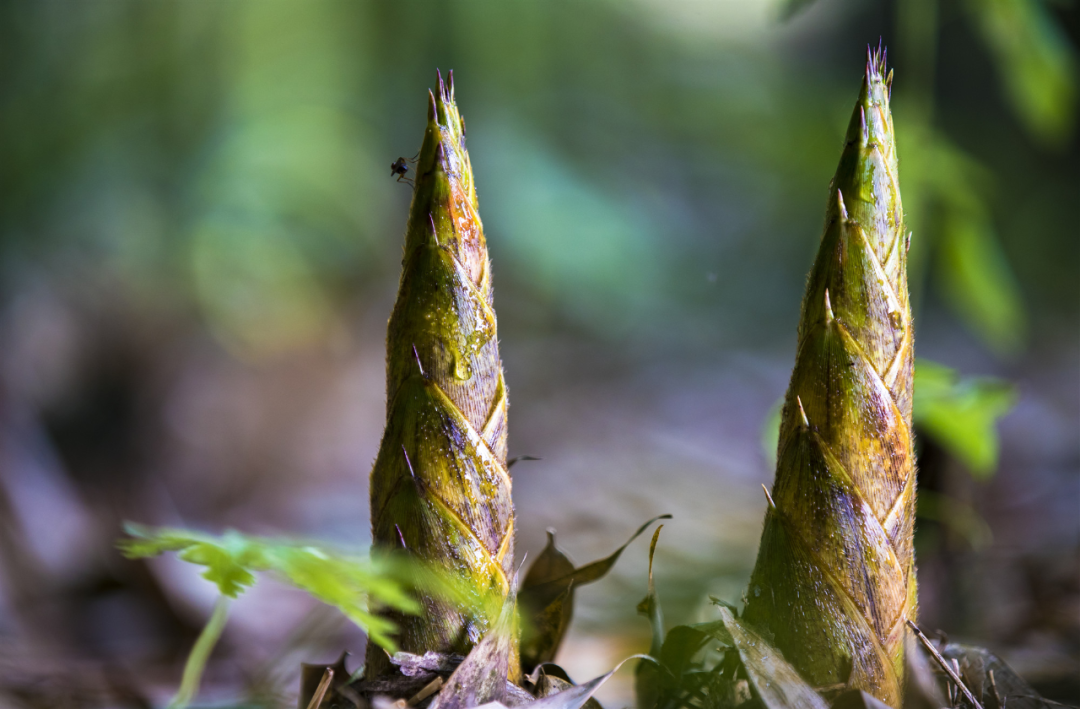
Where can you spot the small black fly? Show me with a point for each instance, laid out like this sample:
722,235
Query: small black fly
400,167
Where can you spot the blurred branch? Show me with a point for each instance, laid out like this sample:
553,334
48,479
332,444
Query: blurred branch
1036,63
947,206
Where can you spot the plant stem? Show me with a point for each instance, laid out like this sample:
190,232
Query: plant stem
200,653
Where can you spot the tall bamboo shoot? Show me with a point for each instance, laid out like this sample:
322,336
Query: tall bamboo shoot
834,581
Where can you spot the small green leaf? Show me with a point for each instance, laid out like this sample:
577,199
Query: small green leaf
227,560
344,583
961,414
222,568
350,583
680,646
146,542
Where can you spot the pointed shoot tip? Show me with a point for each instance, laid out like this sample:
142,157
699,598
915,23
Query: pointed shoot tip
876,61
443,94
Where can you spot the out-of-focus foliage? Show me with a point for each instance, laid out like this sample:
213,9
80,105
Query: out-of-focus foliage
974,275
789,8
234,156
957,516
347,582
278,195
978,282
1037,65
961,413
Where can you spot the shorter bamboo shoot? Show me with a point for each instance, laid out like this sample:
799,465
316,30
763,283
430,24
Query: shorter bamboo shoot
440,489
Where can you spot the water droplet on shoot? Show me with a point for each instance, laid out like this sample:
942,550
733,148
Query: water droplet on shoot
462,370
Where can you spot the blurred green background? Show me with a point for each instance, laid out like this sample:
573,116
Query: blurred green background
200,244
